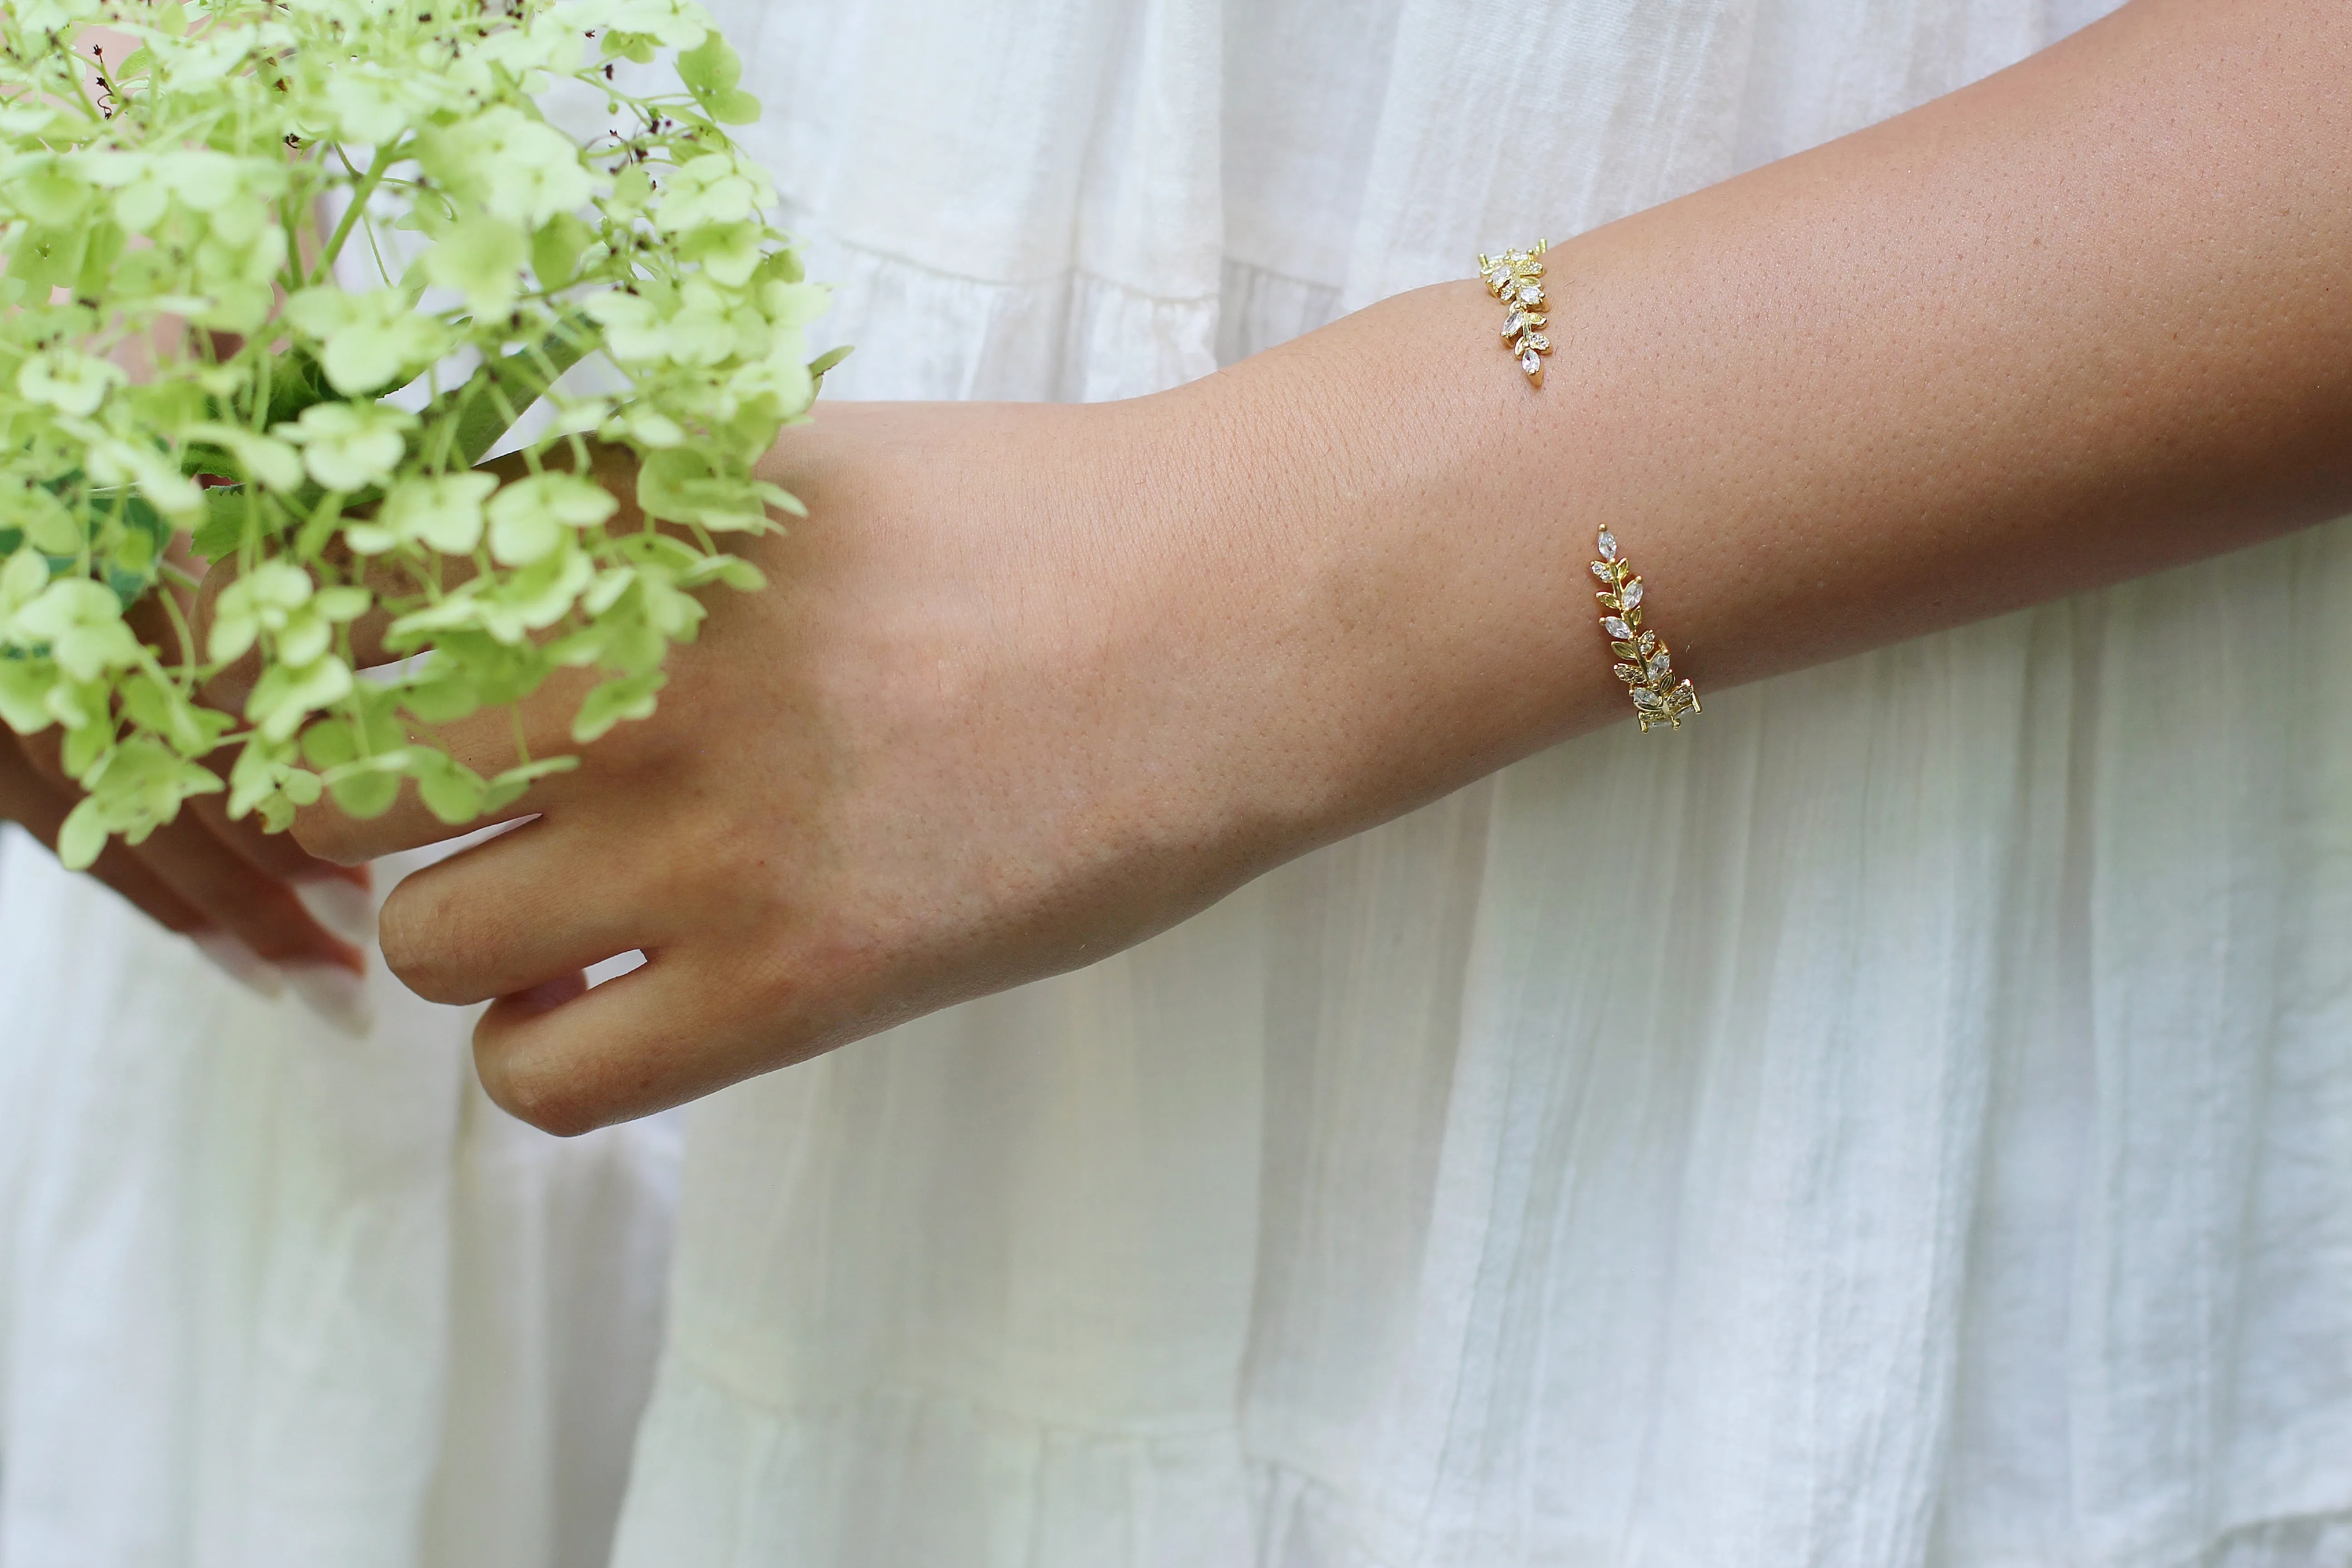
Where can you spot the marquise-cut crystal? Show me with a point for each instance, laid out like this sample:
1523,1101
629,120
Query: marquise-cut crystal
1615,628
1632,592
1608,545
1513,322
1531,362
1660,665
1645,698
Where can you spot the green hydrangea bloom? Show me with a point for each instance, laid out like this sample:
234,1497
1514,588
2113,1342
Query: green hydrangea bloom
356,252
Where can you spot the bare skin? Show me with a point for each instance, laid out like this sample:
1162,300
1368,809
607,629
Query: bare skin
1033,682
200,876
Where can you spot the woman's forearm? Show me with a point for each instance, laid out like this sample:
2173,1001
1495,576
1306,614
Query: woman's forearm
2085,320
1034,681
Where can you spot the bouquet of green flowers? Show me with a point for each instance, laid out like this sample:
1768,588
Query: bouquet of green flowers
356,252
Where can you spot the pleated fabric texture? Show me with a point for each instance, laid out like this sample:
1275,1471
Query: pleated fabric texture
1906,1121
274,1295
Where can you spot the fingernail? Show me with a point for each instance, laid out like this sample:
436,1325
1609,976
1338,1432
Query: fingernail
241,964
337,996
343,908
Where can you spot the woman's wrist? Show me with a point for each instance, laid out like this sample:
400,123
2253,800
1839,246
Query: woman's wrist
1356,528
1944,368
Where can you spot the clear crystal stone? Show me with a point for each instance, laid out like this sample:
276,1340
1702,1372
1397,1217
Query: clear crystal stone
1660,665
1600,570
1645,698
1615,628
1630,674
1632,592
1513,322
1649,641
1537,342
1608,545
1531,362
1530,293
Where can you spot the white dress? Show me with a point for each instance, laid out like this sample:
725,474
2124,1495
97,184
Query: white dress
276,1296
1946,1160
1905,1120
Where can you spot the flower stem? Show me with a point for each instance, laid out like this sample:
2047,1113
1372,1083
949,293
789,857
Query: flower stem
385,159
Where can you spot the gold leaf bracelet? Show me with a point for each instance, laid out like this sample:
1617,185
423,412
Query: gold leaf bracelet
1515,279
1646,667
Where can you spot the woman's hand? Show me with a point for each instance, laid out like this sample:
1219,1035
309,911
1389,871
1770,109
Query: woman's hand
202,876
1033,682
993,718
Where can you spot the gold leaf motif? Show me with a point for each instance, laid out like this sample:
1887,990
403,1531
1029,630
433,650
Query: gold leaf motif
1649,665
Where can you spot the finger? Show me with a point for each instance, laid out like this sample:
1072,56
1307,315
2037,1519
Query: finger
258,908
640,1043
276,855
41,811
228,890
526,908
484,742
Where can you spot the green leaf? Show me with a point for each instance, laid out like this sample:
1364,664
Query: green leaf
825,362
329,743
82,835
367,793
556,249
48,257
42,519
217,536
511,381
710,66
508,787
24,685
451,791
607,704
482,259
442,700
288,694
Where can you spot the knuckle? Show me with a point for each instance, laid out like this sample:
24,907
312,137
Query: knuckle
423,947
326,834
550,1100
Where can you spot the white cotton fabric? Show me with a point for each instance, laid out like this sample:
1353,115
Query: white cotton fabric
273,1295
1906,1120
